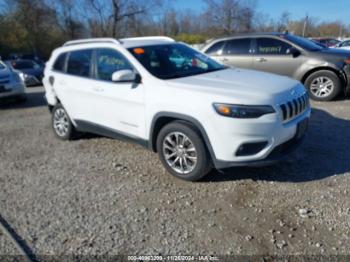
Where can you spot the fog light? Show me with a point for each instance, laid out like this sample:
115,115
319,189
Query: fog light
250,149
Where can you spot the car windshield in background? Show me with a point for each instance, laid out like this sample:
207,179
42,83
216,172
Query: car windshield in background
174,61
304,43
24,65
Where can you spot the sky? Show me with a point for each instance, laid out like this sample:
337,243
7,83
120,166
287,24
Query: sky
325,10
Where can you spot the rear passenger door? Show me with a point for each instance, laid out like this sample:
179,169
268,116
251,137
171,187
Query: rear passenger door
237,53
74,88
274,56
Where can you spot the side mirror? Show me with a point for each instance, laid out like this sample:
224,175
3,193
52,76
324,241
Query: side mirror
125,76
294,52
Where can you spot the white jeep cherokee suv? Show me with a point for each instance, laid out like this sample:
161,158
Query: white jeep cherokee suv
196,113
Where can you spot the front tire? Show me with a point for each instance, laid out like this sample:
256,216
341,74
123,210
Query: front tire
61,123
182,151
323,85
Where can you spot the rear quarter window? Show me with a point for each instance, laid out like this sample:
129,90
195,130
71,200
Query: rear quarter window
60,63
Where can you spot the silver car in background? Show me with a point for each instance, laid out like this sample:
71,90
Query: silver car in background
11,84
325,72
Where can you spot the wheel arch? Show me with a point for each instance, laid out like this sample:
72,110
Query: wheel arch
324,68
163,118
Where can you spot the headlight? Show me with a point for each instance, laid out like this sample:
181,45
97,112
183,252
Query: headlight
243,111
17,77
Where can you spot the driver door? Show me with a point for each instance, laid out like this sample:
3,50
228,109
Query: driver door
274,56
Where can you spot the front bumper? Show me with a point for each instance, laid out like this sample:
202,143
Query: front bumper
281,139
13,90
346,71
277,154
32,80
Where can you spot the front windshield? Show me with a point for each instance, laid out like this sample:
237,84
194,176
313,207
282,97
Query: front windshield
304,43
24,65
174,61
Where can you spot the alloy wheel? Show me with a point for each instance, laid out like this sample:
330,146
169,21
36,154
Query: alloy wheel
180,153
322,86
61,122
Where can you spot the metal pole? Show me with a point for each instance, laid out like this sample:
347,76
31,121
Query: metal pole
305,25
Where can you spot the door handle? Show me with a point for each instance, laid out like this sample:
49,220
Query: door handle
224,60
261,59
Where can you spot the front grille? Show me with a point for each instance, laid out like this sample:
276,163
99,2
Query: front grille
295,107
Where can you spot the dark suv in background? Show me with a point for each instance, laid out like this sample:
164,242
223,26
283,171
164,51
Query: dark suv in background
324,71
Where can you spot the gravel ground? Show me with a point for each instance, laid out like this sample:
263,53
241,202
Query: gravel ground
96,196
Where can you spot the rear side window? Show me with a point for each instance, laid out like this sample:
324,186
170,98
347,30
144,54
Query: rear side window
215,48
271,46
60,63
79,63
109,61
237,47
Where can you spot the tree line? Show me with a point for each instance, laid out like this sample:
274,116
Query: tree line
38,26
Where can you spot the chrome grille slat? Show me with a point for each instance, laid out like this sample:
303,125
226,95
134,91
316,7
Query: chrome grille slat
295,107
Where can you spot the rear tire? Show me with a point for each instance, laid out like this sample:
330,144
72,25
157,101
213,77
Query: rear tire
61,123
323,85
182,151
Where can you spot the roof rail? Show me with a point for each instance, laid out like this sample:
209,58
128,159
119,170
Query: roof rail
92,40
163,38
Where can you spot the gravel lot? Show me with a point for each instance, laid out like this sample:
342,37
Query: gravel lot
101,196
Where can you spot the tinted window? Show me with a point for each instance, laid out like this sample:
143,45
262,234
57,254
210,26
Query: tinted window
174,61
270,46
60,63
2,66
24,65
237,47
109,61
215,48
79,63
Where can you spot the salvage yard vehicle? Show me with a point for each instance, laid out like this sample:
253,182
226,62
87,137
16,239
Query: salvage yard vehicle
30,71
345,44
195,112
324,71
11,84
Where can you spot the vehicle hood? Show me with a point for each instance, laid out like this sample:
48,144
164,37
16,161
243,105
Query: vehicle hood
242,82
335,52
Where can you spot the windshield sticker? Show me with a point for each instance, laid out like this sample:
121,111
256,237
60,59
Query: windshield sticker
139,51
273,49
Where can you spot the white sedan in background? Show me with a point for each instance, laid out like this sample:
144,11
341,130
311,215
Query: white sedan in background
345,44
11,84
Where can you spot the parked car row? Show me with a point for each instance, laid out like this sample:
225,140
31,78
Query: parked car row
11,84
31,72
324,71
